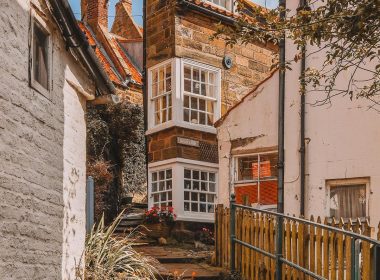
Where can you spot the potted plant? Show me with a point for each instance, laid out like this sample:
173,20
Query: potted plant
160,221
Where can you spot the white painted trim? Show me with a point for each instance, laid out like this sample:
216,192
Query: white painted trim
173,123
184,161
220,6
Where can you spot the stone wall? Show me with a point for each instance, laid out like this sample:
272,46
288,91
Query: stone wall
42,157
160,31
164,145
251,63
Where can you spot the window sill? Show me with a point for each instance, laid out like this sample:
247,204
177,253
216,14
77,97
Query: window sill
170,124
196,217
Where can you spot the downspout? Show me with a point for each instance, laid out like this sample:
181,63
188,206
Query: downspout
302,5
145,94
281,149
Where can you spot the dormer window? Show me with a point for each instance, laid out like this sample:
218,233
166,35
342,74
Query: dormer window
226,4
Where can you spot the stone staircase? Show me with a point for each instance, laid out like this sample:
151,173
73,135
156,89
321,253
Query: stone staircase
182,263
133,217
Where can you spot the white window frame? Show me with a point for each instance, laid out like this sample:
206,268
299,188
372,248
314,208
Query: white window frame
158,191
178,96
36,19
348,182
229,5
178,165
243,183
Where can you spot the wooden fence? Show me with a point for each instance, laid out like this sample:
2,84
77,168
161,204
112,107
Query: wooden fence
319,250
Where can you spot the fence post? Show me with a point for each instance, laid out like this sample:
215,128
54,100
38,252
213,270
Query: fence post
232,231
355,251
90,201
279,245
376,263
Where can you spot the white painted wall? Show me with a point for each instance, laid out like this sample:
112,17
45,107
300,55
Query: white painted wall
344,139
255,116
42,156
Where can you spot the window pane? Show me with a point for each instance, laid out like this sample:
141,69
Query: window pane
188,173
194,196
186,206
187,72
203,186
211,187
202,207
202,197
162,186
194,117
194,207
202,118
348,201
168,174
154,176
186,115
202,104
186,101
196,87
162,175
212,177
196,74
154,187
187,184
169,185
195,185
187,85
40,56
187,196
194,103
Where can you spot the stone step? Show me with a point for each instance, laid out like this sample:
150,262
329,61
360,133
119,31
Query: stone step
190,271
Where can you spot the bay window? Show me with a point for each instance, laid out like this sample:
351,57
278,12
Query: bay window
184,93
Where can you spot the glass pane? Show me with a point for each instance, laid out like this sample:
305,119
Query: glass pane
202,207
187,196
154,76
186,206
164,115
204,176
211,187
202,197
202,118
194,103
154,89
186,115
188,173
187,184
161,88
202,104
196,74
210,198
168,174
195,185
40,56
156,197
154,176
203,76
212,177
194,207
196,87
154,187
168,72
187,85
210,119
210,208
162,186
169,185
187,72
186,101
203,89
170,195
168,85
348,201
210,107
162,175
195,174
163,196
194,196
169,114
211,91
203,186
194,117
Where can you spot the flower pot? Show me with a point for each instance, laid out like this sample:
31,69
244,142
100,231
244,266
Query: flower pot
158,230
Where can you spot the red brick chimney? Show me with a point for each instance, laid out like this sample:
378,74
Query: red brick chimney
127,5
95,12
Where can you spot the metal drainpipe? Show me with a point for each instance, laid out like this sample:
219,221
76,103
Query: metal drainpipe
302,5
281,149
145,93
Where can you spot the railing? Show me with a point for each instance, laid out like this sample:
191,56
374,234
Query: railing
246,242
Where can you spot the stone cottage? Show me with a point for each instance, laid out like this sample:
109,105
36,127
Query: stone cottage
341,145
48,73
191,82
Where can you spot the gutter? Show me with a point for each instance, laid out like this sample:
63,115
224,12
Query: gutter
223,18
302,5
75,38
145,92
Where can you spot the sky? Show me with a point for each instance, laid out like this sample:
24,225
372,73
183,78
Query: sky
138,5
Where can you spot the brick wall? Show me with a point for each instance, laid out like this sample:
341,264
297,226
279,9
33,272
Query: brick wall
42,158
97,12
164,145
124,24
